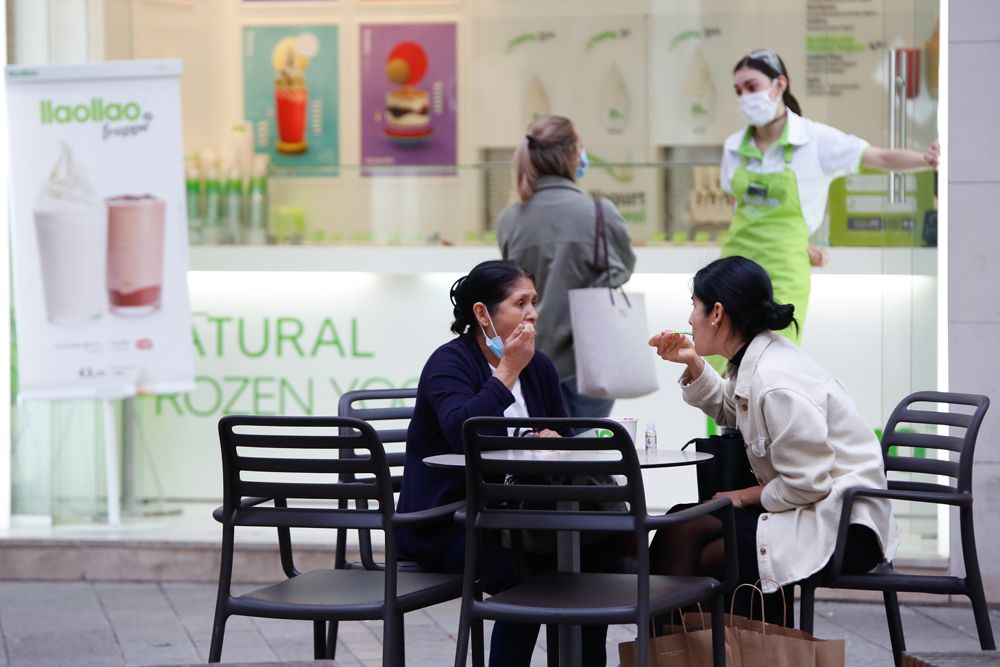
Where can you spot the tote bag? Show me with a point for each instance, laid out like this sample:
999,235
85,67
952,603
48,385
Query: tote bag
610,334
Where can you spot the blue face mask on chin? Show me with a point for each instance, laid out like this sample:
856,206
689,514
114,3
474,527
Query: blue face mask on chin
581,168
494,344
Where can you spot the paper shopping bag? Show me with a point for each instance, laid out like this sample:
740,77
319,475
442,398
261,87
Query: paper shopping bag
762,643
685,648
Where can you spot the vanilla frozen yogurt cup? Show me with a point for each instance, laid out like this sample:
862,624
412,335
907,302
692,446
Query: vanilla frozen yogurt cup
71,226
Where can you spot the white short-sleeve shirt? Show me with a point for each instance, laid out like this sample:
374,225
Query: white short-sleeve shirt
821,154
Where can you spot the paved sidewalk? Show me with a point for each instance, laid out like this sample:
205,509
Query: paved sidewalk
107,624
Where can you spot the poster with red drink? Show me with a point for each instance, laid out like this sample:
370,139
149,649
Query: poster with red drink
291,96
409,98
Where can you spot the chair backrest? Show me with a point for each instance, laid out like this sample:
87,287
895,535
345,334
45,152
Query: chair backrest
390,409
298,462
907,428
529,504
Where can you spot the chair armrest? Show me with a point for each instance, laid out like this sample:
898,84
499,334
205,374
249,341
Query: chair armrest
939,497
429,514
699,510
246,502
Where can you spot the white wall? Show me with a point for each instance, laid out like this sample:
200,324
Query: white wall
973,239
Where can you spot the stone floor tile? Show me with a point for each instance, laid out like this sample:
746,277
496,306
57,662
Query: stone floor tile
960,619
64,647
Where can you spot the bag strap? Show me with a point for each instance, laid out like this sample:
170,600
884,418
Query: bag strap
601,239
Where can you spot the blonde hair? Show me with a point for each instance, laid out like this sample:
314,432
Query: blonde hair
549,148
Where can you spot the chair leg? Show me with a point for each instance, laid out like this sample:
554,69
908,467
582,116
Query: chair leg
552,645
462,642
807,602
393,641
319,640
478,644
718,631
218,633
895,622
331,640
982,614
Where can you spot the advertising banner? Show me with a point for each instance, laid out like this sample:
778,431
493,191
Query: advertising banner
291,98
98,234
409,95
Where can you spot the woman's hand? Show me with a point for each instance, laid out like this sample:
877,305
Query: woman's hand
818,257
932,156
748,497
674,347
546,433
518,350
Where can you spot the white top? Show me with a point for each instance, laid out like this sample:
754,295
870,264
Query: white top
806,442
821,154
518,408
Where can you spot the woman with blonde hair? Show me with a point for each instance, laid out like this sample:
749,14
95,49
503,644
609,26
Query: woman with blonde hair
551,232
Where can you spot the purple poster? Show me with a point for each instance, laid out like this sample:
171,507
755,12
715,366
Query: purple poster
409,97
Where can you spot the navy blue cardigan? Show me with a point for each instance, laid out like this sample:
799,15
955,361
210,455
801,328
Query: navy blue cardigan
458,383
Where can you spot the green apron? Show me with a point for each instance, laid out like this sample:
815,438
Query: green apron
769,228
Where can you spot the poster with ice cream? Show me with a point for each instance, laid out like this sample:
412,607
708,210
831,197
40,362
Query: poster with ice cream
291,96
98,234
409,97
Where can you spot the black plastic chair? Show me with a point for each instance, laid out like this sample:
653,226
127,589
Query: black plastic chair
284,472
378,407
575,598
884,578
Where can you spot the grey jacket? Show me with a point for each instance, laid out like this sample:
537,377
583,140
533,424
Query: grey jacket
552,236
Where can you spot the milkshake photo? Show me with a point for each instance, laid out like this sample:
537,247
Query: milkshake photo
71,225
135,253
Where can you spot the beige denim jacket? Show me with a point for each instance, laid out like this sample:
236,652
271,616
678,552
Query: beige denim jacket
806,441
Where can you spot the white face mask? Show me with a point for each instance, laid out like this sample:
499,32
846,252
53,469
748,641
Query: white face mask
758,108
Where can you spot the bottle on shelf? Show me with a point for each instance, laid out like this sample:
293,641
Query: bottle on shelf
195,220
212,195
256,209
650,437
232,206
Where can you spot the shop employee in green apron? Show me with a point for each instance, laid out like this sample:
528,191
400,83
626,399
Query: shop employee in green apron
779,169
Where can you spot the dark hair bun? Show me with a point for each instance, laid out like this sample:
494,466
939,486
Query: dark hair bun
780,315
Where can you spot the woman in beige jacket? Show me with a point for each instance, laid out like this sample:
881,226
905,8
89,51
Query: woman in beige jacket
806,440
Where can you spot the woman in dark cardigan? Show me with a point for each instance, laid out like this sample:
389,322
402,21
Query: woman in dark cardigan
491,369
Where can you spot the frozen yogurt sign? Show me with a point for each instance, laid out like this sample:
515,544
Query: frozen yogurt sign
100,248
118,119
96,111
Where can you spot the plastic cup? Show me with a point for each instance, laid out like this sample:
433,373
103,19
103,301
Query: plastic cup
630,424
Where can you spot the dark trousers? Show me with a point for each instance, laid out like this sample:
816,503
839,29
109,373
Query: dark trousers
512,644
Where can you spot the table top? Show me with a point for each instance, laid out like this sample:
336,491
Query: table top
660,458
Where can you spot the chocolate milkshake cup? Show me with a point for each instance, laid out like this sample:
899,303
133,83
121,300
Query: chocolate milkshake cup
135,253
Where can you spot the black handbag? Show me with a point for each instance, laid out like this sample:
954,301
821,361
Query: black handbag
728,470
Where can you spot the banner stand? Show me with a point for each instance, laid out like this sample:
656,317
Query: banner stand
111,463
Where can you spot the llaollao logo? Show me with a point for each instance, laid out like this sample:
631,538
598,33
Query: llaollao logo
97,110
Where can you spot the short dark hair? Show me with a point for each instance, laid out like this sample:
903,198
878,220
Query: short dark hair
489,282
744,289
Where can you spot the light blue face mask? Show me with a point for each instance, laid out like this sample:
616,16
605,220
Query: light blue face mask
495,344
581,168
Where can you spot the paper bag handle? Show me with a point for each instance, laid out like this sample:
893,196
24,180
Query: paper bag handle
754,587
